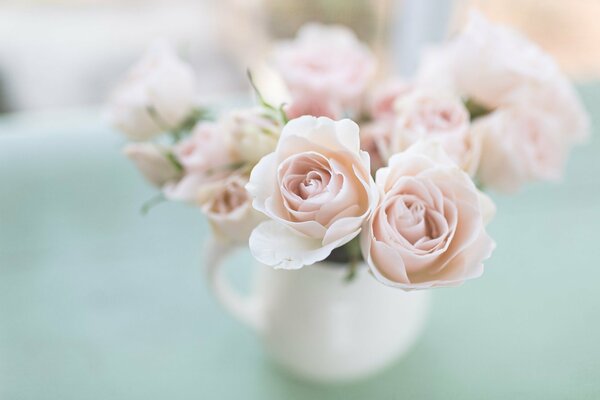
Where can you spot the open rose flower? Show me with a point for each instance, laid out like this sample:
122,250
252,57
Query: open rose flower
317,107
496,66
384,97
519,145
157,95
153,162
490,61
317,190
560,101
428,229
228,207
375,139
423,115
325,64
205,158
436,69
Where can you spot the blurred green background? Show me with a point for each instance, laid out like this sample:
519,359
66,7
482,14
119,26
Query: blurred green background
100,302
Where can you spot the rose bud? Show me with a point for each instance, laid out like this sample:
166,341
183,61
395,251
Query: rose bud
157,95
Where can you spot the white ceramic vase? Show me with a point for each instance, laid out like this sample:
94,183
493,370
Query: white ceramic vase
319,326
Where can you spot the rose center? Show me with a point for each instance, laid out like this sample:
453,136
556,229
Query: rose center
312,184
411,219
307,181
231,198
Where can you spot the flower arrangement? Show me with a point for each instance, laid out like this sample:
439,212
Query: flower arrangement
353,167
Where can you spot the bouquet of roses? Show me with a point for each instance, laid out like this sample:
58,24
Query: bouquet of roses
350,166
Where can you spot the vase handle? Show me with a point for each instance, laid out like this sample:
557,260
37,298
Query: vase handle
245,309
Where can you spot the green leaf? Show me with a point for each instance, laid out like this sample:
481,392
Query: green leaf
475,109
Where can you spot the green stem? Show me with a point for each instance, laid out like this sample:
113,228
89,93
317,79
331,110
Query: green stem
151,203
156,118
174,161
353,248
260,97
264,103
198,114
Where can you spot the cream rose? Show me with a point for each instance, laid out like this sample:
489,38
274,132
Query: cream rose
325,62
228,207
497,67
205,158
317,107
519,145
317,190
491,61
153,162
423,115
487,62
156,96
375,139
559,100
252,133
385,95
428,229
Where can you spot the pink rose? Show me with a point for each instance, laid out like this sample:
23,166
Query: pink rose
375,139
313,106
251,133
487,62
376,135
434,116
153,162
228,207
428,229
156,96
205,157
437,70
384,96
519,145
317,190
325,62
497,67
559,100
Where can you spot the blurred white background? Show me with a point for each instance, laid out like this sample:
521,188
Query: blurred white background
69,53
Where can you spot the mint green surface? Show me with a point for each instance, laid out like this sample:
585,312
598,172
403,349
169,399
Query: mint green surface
99,302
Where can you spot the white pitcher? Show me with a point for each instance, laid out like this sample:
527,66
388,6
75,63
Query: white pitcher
319,326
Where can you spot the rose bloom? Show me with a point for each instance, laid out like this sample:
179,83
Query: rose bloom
375,139
560,101
428,229
439,117
325,62
385,95
317,190
228,207
252,133
157,95
519,145
436,69
152,162
495,66
205,158
486,62
317,107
